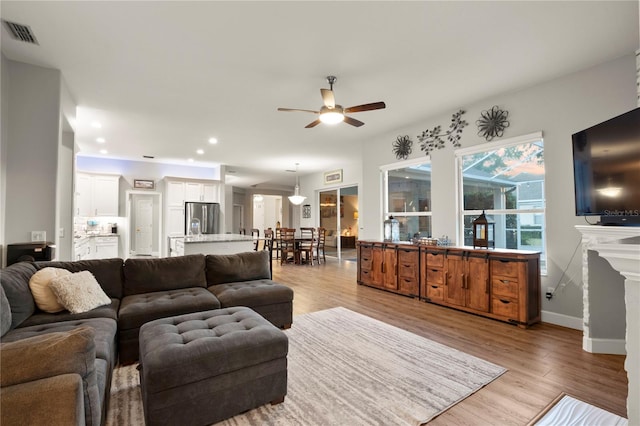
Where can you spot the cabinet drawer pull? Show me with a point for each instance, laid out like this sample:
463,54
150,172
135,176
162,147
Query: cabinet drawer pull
505,281
406,266
365,259
506,302
434,286
434,270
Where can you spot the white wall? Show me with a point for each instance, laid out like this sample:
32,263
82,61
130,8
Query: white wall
32,99
4,137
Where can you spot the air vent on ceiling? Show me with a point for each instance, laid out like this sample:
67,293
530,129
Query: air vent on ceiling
148,156
20,32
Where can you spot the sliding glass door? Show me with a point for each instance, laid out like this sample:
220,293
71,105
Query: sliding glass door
339,216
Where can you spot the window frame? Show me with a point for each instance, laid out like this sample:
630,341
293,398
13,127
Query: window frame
461,213
384,181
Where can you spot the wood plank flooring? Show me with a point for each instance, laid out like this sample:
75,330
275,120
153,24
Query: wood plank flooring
543,361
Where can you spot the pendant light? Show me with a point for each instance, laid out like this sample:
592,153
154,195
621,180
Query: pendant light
296,198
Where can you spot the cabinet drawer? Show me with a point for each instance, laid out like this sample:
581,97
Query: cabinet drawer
407,270
434,259
365,264
365,276
504,286
505,268
504,307
435,276
408,286
435,292
365,252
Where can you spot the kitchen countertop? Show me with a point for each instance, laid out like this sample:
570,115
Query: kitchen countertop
79,237
217,238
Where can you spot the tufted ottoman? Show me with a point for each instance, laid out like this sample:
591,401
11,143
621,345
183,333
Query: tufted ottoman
200,368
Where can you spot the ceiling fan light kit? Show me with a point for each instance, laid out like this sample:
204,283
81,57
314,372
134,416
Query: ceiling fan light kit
330,113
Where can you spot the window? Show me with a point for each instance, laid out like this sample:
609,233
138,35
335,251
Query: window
407,197
506,180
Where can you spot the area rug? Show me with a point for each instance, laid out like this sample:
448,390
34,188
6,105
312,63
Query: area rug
566,410
347,368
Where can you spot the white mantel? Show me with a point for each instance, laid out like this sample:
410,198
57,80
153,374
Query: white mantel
620,246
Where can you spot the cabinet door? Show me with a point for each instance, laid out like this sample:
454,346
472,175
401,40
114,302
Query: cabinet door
477,283
175,194
106,192
377,277
193,191
390,271
454,292
210,193
175,221
83,195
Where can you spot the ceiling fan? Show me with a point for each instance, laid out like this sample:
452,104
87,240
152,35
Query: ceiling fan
330,113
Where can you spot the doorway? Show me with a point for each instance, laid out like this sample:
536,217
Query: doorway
267,212
144,218
237,221
339,216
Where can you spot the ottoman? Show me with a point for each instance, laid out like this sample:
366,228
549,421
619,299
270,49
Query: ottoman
204,367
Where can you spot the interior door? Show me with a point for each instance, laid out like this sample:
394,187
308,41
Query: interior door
144,226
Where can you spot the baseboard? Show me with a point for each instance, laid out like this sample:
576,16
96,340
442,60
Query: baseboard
604,346
562,320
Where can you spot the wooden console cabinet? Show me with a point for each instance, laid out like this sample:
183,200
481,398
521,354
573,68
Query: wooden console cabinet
499,284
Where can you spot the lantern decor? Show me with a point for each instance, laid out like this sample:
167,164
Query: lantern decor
391,230
483,232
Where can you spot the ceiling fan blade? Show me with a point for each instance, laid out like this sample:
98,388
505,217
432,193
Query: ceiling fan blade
296,109
313,124
328,98
365,107
353,121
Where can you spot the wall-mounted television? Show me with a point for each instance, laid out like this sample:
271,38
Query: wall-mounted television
606,168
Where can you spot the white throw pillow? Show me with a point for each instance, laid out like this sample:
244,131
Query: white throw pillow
79,292
42,294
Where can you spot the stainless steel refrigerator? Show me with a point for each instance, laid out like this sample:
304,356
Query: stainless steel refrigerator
206,214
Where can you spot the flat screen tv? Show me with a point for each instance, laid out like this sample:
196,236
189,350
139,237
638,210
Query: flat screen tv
606,168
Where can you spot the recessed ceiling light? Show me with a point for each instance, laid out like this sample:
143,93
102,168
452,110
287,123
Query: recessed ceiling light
104,151
96,124
190,160
200,151
213,141
101,140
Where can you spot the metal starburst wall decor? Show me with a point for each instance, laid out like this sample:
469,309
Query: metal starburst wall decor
402,147
432,139
492,123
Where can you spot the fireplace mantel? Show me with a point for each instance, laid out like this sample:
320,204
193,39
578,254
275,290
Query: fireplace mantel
620,246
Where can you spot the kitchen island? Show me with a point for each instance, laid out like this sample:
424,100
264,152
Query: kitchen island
211,244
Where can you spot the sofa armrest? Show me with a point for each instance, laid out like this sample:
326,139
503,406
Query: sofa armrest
48,355
54,400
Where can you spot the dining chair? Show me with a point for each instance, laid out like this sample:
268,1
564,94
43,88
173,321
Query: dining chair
307,244
276,241
242,231
288,245
320,245
255,233
268,240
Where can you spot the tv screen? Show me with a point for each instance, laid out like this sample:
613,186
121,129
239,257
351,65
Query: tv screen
606,167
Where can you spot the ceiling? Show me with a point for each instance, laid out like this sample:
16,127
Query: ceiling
164,77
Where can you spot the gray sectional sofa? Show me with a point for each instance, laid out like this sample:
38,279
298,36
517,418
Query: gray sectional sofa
141,290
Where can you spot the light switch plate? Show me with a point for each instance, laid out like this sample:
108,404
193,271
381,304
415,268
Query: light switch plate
38,235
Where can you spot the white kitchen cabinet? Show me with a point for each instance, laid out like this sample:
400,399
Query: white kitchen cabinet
97,195
175,221
175,193
105,247
82,248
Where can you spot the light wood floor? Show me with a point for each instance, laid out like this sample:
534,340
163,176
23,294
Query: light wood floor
543,361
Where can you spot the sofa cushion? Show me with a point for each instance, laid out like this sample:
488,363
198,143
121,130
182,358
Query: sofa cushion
44,297
15,282
137,309
79,292
107,311
108,272
5,313
169,273
53,354
251,293
226,268
104,329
